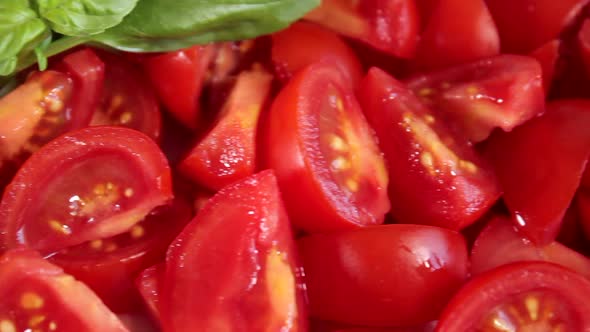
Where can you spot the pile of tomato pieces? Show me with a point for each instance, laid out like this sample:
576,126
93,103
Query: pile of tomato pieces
405,165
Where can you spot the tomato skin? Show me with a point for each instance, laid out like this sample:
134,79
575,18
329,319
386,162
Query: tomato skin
548,55
64,300
227,153
149,285
257,288
500,243
476,97
540,165
390,26
314,197
457,32
468,307
178,78
389,275
528,24
24,203
288,58
429,183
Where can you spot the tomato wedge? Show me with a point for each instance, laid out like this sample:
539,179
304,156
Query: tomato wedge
500,243
256,288
548,55
109,266
128,99
435,177
476,97
540,165
320,44
388,275
38,296
227,153
531,296
149,285
90,184
327,161
457,31
388,25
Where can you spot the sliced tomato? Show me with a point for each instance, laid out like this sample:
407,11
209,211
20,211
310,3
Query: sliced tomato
90,184
435,177
257,287
500,243
330,169
457,31
109,266
527,24
128,99
389,275
320,44
476,97
540,165
38,296
149,285
526,296
228,151
388,25
323,326
547,55
583,41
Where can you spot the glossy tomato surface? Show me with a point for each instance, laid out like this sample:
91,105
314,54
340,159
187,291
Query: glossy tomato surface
90,184
389,275
436,177
327,161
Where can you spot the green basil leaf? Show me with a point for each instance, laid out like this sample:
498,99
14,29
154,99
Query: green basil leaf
164,25
84,17
21,30
40,51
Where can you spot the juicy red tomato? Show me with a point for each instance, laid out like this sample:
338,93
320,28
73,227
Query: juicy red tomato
547,55
330,169
320,44
178,78
128,99
583,41
109,266
458,31
149,285
586,178
388,25
531,296
38,296
476,97
233,267
500,243
228,151
583,207
323,326
525,25
390,275
435,178
540,165
90,184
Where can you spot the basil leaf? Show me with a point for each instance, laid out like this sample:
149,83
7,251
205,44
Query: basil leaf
84,17
20,32
164,25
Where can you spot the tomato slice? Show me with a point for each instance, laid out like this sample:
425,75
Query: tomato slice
389,275
540,165
457,31
548,55
500,243
109,266
531,296
86,185
476,97
38,296
436,177
527,24
228,152
257,287
330,169
388,25
128,99
149,284
320,44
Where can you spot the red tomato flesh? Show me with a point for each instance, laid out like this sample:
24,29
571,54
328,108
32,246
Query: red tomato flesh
435,178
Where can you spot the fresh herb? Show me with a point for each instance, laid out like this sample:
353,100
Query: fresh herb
32,30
